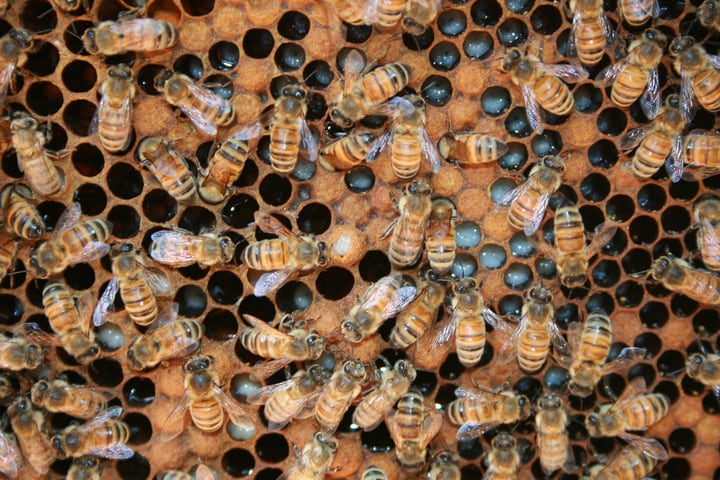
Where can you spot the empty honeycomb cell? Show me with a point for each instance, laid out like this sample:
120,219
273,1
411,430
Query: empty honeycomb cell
665,246
58,140
518,276
644,370
224,56
80,276
546,19
78,115
87,159
521,246
239,211
335,283
159,206
194,272
444,56
606,273
38,16
189,65
146,77
44,98
139,392
513,32
595,187
106,372
677,468
478,45
79,76
486,13
33,292
374,265
318,74
125,220
683,190
16,278
620,208
612,121
710,404
294,296
50,212
547,143
360,179
517,124
643,230
600,301
426,382
445,394
682,440
588,99
314,218
436,90
134,468
220,325
670,363
556,378
225,287
293,25
377,440
706,322
651,197
11,309
470,449
451,368
452,22
650,342
675,219
197,8
220,84
272,448
682,306
275,189
603,154
140,428
92,199
191,301
289,57
10,165
268,474
317,108
495,100
420,42
629,294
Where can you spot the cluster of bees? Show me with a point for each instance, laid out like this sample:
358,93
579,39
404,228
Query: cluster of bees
423,225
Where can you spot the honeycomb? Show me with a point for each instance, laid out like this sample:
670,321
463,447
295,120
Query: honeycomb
248,50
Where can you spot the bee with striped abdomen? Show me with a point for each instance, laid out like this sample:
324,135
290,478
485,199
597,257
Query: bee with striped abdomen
412,426
113,118
393,383
699,75
201,472
470,149
636,12
289,131
413,321
591,32
553,441
169,167
706,213
347,151
440,241
180,248
167,338
20,216
409,229
102,436
503,460
14,47
677,275
75,400
129,34
632,463
702,153
335,399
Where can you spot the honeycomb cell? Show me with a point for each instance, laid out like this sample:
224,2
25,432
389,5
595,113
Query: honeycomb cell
437,90
146,78
620,208
644,370
268,474
478,45
706,322
603,154
629,294
682,306
220,85
140,428
159,206
87,159
683,190
318,74
191,301
293,25
426,382
125,220
513,32
556,378
224,56
80,276
275,189
289,57
651,197
420,42
92,199
548,143
516,158
444,56
452,22
225,287
220,325
588,99
464,265
79,76
134,468
78,115
665,245
518,276
710,404
314,218
43,59
357,33
521,246
675,219
239,211
189,65
197,8
606,273
10,165
272,448
495,101
677,468
643,230
486,13
335,283
517,124
470,449
360,179
106,372
294,296
600,301
612,121
545,20
377,440
451,368
467,234
139,392
595,187
650,342
492,256
374,265
11,309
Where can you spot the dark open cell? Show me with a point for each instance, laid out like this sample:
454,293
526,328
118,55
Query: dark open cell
495,100
198,8
189,65
470,449
268,474
374,265
444,56
238,462
425,381
159,206
220,325
197,220
191,301
650,342
377,440
566,314
518,276
556,378
318,74
50,212
683,190
486,13
706,322
275,189
517,124
278,83
606,273
513,32
146,77
645,370
682,440
293,25
58,140
629,294
620,208
595,187
289,57
106,372
80,276
225,287
140,428
445,394
612,121
294,296
79,76
452,22
665,246
360,179
420,42
38,16
546,19
77,116
220,85
15,277
134,468
11,309
588,98
10,165
272,448
670,363
88,160
710,403
44,98
643,230
682,306
603,154
547,143
529,386
139,391
258,43
33,292
357,33
334,283
125,220
675,219
478,45
92,199
239,211
43,59
224,56
600,301
651,197
677,469
314,218
436,90
451,368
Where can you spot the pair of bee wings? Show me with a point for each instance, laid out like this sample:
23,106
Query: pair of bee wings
180,243
448,330
11,460
509,349
688,103
401,297
92,250
125,112
6,75
118,451
651,96
301,407
203,96
538,212
674,163
158,282
202,472
399,107
431,425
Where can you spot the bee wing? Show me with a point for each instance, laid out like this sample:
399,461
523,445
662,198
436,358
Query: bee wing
470,430
265,328
6,73
91,251
650,98
370,15
444,333
204,97
634,388
84,303
709,235
432,423
308,142
175,254
69,218
603,234
508,351
354,66
532,110
261,395
105,302
687,97
495,321
569,73
674,163
561,348
12,461
572,38
538,213
236,413
626,357
271,281
101,418
607,30
158,280
95,121
247,132
430,150
379,145
511,195
714,60
649,446
574,333
269,224
401,299
633,138
116,451
203,472
36,334
176,417
263,370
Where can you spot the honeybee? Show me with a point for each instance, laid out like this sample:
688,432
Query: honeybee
503,460
282,257
677,275
384,299
86,467
706,212
102,436
8,252
373,473
226,164
14,47
206,109
408,230
289,131
478,410
705,368
412,426
69,317
202,472
571,253
169,167
7,389
138,286
113,118
529,201
180,248
636,75
632,463
661,143
384,14
33,158
205,400
28,424
445,466
20,216
11,460
393,383
701,149
552,437
72,242
20,353
590,345
294,398
362,96
531,340
335,399
347,151
413,322
541,86
631,411
591,32
314,460
409,140
74,400
129,34
297,345
166,339
699,75
469,149
419,15
707,14
637,12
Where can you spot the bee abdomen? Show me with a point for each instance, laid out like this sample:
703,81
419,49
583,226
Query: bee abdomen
266,255
207,414
706,85
470,340
629,86
284,148
553,95
645,411
140,303
533,349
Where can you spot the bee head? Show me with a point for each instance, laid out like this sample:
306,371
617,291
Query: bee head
121,71
694,364
503,440
661,268
22,38
90,41
57,442
315,344
227,249
198,362
406,369
511,59
525,406
592,423
349,331
39,390
656,36
161,79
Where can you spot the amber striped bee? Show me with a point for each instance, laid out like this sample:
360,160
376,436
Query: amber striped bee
167,338
413,322
129,34
632,463
445,465
138,285
393,383
409,229
86,467
314,460
503,460
11,460
206,109
74,400
553,441
384,299
34,160
8,253
20,216
294,398
470,149
531,340
702,153
226,164
637,12
529,201
440,241
477,410
347,151
412,426
14,47
180,248
705,368
677,275
281,257
207,402
706,213
591,32
636,75
102,436
169,167
385,15
363,94
335,399
289,131
540,84
28,425
202,472
699,75
419,15
660,144
113,118
295,345
707,14
20,353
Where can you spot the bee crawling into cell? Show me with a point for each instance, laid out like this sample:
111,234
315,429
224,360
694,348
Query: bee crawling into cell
553,441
